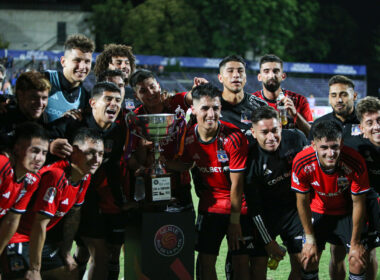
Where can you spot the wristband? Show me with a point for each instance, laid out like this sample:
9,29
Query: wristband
310,239
235,218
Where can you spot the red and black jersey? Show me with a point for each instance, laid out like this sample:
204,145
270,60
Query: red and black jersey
54,198
300,102
215,159
330,193
13,194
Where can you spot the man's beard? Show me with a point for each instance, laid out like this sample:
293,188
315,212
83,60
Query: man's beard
343,113
272,85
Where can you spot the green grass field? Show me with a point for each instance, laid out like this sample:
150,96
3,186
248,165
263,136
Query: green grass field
281,273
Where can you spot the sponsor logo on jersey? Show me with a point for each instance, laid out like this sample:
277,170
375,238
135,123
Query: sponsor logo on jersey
295,179
50,195
65,202
169,240
196,156
346,169
21,195
7,194
267,172
315,183
279,178
367,156
30,179
211,169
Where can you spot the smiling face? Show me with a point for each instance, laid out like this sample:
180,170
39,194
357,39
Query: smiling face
105,108
207,111
233,77
87,156
32,103
328,151
76,65
30,154
342,98
370,126
271,75
267,133
149,92
121,63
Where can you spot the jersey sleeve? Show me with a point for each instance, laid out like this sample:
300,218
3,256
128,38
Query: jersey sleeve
47,200
360,182
304,109
299,178
237,148
24,197
179,100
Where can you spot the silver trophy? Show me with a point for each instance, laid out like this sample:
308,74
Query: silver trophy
155,128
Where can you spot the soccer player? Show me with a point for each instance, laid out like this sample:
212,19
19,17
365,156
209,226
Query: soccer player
96,230
271,75
67,92
19,179
32,90
118,57
63,187
271,203
342,97
324,176
368,145
218,150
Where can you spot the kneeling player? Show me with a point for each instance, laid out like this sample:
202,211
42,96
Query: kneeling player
271,203
324,175
63,186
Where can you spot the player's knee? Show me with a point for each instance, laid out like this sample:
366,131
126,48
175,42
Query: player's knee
309,275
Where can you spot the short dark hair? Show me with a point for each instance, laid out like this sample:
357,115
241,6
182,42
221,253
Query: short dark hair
264,113
139,76
84,133
331,129
205,90
32,80
340,79
369,104
271,58
109,74
101,87
28,131
113,50
81,42
233,57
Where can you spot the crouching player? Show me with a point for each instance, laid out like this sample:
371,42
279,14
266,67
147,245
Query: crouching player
62,187
331,179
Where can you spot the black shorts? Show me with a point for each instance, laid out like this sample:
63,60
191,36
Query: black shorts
287,225
95,224
332,228
15,259
211,229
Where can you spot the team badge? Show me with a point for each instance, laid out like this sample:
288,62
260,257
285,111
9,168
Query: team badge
50,195
343,183
355,130
246,117
129,104
169,240
222,156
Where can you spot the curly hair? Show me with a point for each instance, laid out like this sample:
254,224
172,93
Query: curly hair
113,50
79,41
369,104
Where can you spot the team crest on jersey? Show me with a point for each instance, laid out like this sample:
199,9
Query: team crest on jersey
50,194
129,104
343,183
295,179
346,169
222,156
189,140
355,130
108,145
246,117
